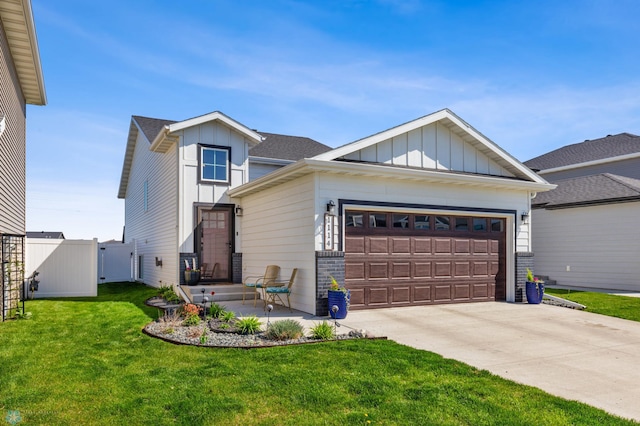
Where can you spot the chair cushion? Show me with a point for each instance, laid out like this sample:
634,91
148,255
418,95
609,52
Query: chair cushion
277,290
251,285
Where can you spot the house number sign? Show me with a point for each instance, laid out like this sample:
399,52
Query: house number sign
330,231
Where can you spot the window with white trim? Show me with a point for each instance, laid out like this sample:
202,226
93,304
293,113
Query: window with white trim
214,164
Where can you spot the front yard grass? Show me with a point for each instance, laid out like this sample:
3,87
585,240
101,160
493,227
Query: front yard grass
624,307
86,361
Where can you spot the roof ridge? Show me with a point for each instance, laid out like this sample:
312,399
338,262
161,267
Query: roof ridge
623,180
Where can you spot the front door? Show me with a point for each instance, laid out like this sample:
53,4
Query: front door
215,243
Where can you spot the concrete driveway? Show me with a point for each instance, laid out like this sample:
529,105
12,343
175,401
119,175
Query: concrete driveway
572,354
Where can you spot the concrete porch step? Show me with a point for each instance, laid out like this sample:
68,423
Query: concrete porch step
223,292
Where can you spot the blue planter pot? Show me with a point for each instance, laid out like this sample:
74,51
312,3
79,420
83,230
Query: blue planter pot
534,293
337,298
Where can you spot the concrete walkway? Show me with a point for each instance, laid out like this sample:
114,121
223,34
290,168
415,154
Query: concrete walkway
573,354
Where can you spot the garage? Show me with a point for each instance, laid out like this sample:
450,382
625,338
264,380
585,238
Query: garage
402,259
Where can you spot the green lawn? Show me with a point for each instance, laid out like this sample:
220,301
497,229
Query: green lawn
602,303
85,361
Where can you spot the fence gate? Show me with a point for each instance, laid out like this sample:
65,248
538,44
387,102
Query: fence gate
12,275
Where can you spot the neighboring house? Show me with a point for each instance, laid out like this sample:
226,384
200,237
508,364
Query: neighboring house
21,83
47,235
584,230
430,211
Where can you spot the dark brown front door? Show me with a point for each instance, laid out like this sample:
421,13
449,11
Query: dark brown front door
215,242
398,259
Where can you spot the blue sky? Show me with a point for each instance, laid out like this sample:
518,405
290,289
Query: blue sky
530,75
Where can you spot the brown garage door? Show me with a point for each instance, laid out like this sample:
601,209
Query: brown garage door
398,259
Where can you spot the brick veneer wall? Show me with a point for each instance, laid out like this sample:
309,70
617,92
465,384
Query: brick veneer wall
524,260
328,263
236,268
189,257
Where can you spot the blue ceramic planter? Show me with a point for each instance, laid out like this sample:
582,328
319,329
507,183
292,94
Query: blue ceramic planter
534,292
337,298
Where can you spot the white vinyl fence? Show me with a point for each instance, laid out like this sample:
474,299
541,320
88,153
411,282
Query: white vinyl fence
67,267
115,262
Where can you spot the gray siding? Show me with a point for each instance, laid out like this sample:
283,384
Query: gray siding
629,168
12,145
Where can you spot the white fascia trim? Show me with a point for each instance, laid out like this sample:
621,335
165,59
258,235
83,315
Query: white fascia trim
591,163
309,165
216,115
267,160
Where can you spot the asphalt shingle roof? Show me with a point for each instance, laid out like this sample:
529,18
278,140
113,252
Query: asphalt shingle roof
151,126
594,189
285,147
589,150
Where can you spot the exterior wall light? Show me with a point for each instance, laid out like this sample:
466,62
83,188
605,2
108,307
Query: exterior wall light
238,211
330,206
524,216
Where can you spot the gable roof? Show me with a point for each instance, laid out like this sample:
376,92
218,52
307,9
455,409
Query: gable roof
611,147
604,188
19,27
151,126
457,126
284,147
339,161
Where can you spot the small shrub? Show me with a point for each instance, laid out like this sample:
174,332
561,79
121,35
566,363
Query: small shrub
204,337
248,325
169,330
191,320
170,319
322,331
224,326
190,309
285,330
228,316
217,311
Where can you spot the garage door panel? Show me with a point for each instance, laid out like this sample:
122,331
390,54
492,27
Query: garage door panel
354,245
378,245
401,295
421,269
442,246
462,246
462,269
421,245
354,270
442,293
422,293
480,291
378,270
378,296
400,270
400,246
461,291
443,269
357,297
391,267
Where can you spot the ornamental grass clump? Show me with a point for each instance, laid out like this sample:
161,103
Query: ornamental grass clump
287,329
248,325
322,331
217,311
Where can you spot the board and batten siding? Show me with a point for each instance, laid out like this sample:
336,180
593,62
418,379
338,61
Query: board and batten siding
600,245
154,230
433,146
191,189
279,228
12,146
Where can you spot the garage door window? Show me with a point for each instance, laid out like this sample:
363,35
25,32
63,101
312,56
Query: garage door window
462,224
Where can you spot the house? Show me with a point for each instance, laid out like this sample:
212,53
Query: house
21,83
430,211
56,235
583,230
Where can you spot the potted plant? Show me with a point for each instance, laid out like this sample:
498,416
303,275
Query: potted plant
339,299
534,288
191,274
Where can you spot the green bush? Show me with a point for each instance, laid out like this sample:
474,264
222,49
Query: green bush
285,330
217,311
228,316
248,325
322,331
191,320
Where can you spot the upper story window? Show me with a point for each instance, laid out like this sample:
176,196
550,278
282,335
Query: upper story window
214,164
